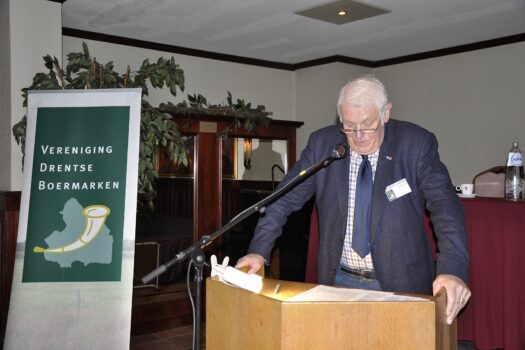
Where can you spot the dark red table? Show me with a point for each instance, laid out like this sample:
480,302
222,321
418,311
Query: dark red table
494,318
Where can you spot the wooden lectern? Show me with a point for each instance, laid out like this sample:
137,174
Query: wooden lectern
239,319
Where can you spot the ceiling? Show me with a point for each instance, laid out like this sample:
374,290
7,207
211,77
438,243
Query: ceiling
270,30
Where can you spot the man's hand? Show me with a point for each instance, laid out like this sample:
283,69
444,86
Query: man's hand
457,294
254,261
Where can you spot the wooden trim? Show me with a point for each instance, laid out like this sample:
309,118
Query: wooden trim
191,118
452,50
208,182
83,34
9,211
334,59
10,201
276,130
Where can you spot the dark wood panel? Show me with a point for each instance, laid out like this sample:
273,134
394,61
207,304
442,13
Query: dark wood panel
207,207
232,197
291,249
175,197
158,310
276,130
9,212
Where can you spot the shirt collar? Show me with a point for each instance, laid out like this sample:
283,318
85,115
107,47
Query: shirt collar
355,155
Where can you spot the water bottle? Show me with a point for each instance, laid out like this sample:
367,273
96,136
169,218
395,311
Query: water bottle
514,177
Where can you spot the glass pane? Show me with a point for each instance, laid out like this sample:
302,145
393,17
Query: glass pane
264,157
168,228
167,168
229,158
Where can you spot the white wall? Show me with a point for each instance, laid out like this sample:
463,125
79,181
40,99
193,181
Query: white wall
213,79
316,92
5,97
35,29
472,101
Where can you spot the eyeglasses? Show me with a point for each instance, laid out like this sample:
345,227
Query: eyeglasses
352,132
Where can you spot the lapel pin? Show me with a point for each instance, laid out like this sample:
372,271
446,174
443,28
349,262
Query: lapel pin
389,157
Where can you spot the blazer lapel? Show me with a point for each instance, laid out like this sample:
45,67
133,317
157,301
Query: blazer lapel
342,172
383,175
340,178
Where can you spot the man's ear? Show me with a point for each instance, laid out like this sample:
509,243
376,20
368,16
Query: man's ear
386,112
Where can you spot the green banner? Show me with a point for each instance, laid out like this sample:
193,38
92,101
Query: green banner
73,274
76,208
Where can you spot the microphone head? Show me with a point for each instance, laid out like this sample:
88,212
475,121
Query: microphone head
340,151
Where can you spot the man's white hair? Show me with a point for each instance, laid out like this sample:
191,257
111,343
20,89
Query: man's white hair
363,91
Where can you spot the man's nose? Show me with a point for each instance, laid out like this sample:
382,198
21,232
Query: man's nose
358,134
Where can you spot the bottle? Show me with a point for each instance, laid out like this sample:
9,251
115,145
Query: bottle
514,177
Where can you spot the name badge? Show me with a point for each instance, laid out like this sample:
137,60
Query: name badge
398,189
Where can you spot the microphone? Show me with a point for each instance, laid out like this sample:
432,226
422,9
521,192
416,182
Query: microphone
340,151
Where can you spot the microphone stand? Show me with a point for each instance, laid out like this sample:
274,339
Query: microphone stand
196,253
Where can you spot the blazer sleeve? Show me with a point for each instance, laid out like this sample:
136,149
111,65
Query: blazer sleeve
269,226
446,211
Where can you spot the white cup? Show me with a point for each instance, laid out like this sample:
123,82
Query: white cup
467,188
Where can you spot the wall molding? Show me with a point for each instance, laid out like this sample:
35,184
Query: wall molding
173,49
452,50
82,34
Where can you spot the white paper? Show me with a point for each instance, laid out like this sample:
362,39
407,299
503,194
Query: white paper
326,293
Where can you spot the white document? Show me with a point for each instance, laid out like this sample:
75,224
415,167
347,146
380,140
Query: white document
326,293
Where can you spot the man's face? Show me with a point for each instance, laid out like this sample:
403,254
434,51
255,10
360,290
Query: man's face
368,118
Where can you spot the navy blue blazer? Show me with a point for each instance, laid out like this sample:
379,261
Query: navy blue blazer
399,244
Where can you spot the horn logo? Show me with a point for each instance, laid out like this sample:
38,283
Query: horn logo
95,218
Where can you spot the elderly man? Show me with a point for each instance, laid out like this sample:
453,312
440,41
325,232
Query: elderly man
371,204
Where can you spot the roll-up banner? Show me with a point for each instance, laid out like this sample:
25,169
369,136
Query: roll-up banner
73,275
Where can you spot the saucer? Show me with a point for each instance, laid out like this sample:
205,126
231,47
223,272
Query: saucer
472,195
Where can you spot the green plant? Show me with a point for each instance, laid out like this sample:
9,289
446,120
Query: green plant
157,127
242,113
